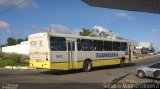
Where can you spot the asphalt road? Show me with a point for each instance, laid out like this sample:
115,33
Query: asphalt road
43,79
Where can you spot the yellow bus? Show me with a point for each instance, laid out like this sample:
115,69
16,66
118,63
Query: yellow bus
68,52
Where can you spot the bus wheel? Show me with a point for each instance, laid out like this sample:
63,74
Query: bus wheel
122,62
87,66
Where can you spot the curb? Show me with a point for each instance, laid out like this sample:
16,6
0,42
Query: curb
18,67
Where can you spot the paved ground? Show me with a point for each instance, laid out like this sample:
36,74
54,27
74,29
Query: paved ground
99,75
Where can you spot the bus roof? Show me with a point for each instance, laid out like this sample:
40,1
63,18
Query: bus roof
77,36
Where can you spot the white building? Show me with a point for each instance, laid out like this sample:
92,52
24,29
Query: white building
146,47
22,48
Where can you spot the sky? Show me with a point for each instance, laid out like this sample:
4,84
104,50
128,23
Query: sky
19,18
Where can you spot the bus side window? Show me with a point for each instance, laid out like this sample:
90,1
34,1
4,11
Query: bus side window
58,44
73,46
124,46
79,44
87,45
98,45
116,46
69,46
108,45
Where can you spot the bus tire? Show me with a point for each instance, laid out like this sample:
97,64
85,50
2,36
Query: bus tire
87,66
122,62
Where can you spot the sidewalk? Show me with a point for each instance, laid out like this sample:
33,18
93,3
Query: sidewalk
143,57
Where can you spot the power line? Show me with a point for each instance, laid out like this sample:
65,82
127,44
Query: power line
11,8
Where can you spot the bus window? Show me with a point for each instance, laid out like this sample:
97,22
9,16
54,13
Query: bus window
87,45
108,45
58,44
98,45
79,44
116,46
124,46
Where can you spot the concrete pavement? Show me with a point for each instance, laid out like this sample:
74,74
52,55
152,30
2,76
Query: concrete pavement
100,75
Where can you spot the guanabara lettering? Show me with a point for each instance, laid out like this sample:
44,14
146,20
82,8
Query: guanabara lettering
103,55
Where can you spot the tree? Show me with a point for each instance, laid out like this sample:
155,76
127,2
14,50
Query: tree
85,32
26,39
11,41
103,34
19,41
100,31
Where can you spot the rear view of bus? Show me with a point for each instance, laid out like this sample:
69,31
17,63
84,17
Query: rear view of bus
39,50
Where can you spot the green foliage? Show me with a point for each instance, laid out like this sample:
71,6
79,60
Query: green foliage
103,34
11,41
1,55
19,41
93,35
15,57
85,32
26,39
6,62
12,60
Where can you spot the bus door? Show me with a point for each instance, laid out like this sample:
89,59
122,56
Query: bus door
130,52
72,54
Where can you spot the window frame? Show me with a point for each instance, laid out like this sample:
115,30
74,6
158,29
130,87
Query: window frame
64,45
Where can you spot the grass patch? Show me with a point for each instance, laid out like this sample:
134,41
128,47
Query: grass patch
12,60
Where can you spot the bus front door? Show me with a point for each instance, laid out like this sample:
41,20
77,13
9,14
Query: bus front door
130,52
72,55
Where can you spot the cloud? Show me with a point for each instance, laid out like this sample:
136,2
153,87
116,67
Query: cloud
156,30
25,3
100,31
98,28
76,31
4,25
58,28
123,15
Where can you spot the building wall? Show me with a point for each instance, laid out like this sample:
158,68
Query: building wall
146,44
145,47
22,48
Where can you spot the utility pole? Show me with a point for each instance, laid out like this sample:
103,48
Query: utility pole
50,30
5,37
0,46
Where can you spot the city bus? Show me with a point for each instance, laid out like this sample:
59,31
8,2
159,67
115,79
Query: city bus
69,52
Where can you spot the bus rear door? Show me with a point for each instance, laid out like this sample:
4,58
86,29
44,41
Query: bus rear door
72,54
